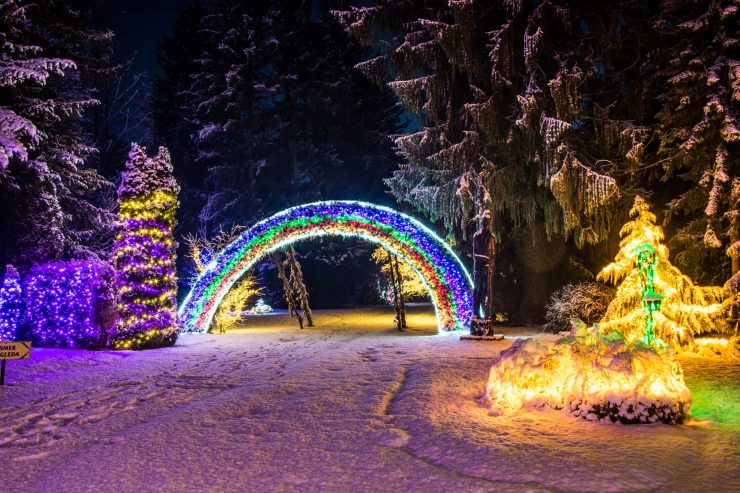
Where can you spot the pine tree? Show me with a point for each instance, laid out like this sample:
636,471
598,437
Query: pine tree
698,133
298,286
47,189
524,110
687,310
263,109
460,67
173,114
144,252
279,115
10,304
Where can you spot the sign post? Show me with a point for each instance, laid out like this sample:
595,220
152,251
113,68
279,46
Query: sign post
13,350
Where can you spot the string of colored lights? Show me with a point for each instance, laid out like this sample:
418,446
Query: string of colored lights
442,272
64,301
144,253
10,304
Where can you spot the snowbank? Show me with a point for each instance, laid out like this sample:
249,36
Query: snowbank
591,376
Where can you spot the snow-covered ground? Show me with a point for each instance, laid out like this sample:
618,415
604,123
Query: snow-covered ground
351,405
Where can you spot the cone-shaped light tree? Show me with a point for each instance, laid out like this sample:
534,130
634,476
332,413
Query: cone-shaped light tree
687,310
10,304
144,252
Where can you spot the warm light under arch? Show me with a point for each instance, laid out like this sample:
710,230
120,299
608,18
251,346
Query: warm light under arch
444,275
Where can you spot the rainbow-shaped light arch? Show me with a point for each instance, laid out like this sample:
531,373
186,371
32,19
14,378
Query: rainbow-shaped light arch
443,273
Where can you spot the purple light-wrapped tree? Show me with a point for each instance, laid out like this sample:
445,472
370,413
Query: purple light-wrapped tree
10,304
144,253
66,304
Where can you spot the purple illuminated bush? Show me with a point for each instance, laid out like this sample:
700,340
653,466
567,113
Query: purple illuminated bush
10,304
69,304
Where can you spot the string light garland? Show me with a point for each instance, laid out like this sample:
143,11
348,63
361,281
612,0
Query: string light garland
591,375
652,291
448,282
10,304
64,303
144,253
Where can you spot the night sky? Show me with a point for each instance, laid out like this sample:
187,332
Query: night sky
139,25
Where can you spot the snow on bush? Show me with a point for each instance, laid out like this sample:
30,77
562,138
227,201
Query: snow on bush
69,304
586,301
260,308
589,375
144,253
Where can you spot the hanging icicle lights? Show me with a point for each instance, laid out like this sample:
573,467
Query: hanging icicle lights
445,277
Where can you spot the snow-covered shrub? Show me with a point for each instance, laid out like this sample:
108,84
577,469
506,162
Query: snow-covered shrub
260,308
10,304
144,252
589,375
586,301
69,304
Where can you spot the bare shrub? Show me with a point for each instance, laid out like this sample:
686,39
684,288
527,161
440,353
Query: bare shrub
586,301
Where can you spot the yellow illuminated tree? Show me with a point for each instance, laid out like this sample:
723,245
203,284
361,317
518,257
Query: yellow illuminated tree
687,310
411,284
230,311
201,250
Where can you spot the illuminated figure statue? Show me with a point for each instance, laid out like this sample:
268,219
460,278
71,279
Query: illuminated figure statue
646,262
484,265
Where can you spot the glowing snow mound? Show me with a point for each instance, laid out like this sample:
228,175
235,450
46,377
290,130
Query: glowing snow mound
598,378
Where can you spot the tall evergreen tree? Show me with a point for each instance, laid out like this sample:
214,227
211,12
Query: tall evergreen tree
47,190
273,115
555,114
275,111
144,252
173,114
698,134
524,110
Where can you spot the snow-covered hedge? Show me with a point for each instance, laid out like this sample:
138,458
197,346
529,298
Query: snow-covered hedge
591,376
69,304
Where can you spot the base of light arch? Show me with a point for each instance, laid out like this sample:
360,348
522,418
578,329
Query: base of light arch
444,275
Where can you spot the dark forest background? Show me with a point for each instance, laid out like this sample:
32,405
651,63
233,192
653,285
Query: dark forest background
552,114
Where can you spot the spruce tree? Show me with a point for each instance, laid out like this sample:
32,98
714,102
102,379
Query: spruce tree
263,109
144,252
173,114
47,188
276,113
524,110
697,132
687,310
554,115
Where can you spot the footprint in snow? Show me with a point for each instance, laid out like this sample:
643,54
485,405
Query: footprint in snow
391,437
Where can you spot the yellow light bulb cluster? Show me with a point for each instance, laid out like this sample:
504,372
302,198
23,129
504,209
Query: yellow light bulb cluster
147,280
687,310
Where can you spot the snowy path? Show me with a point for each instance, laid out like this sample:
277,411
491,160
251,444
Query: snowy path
349,406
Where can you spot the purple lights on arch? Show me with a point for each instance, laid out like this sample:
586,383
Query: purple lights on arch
442,272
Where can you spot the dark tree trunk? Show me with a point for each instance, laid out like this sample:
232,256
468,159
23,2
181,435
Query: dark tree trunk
396,294
299,287
289,298
401,301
